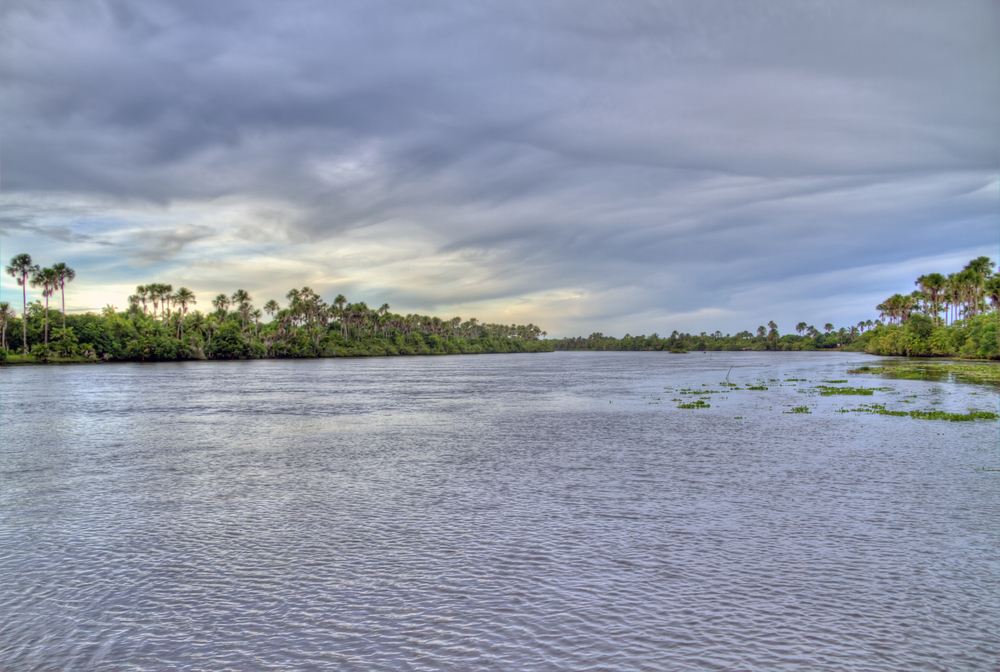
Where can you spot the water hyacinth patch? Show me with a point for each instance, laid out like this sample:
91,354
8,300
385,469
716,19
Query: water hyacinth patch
879,409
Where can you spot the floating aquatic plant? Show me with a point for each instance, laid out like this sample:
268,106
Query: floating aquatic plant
827,391
976,373
880,409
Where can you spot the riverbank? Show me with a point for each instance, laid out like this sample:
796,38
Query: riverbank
369,349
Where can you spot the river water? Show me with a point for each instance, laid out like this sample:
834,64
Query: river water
516,512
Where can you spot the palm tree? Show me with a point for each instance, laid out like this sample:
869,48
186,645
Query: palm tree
241,300
221,304
980,268
142,292
65,274
48,280
800,327
154,295
6,314
828,327
183,297
933,286
20,267
255,314
272,308
340,302
772,334
165,293
993,290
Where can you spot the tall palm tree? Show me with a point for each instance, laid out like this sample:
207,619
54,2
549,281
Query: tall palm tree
166,291
20,267
182,297
828,327
772,334
221,304
65,274
340,302
48,280
982,268
142,292
154,296
241,301
933,285
272,308
993,290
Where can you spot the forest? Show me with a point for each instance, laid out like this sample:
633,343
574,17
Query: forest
161,324
951,315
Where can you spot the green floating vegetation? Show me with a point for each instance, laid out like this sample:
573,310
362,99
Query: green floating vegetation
879,409
696,404
737,417
799,409
802,380
834,381
827,391
934,371
756,387
678,351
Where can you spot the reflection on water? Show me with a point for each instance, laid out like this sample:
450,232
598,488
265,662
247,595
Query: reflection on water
493,512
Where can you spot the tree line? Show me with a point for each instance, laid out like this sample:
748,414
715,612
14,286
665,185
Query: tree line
958,295
161,323
951,315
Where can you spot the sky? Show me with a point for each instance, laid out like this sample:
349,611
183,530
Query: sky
630,167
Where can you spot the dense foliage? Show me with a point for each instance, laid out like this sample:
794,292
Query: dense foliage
949,316
160,325
765,338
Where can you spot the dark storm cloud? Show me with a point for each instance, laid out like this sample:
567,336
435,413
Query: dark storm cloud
669,151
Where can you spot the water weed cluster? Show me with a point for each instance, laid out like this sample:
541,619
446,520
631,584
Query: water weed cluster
697,397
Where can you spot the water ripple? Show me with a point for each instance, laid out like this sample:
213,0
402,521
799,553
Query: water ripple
491,512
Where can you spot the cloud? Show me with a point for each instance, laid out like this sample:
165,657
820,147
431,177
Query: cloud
657,158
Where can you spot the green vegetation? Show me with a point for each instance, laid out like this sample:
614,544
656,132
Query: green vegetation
949,316
879,409
828,391
696,397
942,371
160,325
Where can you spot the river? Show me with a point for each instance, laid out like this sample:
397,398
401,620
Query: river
504,512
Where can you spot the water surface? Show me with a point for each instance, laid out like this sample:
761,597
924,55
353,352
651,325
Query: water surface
530,512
